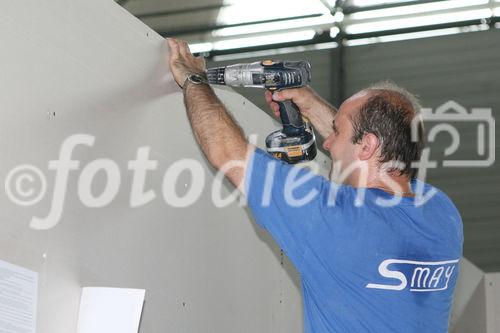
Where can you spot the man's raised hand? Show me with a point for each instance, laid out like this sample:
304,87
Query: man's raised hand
182,62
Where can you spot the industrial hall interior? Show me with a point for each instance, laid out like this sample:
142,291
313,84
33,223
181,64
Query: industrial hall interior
236,166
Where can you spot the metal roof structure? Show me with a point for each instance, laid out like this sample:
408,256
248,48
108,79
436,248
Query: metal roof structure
228,26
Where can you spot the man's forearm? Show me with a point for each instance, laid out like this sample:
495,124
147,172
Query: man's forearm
220,137
321,115
311,105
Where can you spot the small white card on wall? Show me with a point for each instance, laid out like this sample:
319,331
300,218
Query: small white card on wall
18,298
110,310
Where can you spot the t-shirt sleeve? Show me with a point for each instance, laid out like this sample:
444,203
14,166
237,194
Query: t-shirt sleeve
285,200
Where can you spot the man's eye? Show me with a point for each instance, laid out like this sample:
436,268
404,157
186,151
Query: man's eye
335,129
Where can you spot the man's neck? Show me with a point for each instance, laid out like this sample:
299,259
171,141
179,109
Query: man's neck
393,184
397,185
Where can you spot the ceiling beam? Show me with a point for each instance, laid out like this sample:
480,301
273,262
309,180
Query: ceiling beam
354,9
319,38
211,27
413,29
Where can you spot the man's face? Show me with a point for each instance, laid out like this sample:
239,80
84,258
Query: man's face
339,143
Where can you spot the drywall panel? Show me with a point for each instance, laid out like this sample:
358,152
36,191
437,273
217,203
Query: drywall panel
492,287
473,318
469,279
482,312
88,67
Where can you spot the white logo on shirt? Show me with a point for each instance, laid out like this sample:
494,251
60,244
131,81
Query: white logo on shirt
423,275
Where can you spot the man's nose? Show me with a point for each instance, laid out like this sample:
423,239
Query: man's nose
327,143
326,146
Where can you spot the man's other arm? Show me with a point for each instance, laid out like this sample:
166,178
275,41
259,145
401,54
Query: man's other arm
311,106
221,139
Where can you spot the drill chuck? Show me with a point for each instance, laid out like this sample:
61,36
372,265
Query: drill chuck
216,75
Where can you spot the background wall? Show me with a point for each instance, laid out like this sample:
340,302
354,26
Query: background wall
90,67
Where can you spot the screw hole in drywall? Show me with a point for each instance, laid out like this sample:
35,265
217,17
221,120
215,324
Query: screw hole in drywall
50,114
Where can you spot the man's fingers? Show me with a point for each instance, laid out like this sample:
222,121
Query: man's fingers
296,94
280,96
284,95
268,96
276,109
170,42
200,60
184,48
174,48
274,106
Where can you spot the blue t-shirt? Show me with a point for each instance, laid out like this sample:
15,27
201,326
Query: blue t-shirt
364,267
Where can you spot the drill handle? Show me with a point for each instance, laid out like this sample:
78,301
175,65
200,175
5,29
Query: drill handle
292,121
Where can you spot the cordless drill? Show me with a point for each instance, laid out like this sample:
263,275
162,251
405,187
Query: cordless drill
296,141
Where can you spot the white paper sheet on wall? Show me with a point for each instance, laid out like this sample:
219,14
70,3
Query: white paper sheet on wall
18,299
110,310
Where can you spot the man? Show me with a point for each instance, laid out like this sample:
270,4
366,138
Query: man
372,257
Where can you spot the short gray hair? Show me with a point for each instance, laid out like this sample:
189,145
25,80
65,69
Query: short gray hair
389,113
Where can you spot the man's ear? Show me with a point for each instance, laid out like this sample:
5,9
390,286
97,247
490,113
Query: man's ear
368,146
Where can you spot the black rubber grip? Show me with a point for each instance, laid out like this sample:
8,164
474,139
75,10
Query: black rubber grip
291,118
